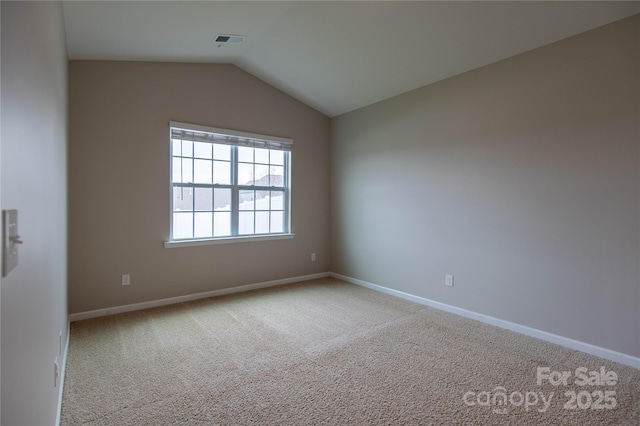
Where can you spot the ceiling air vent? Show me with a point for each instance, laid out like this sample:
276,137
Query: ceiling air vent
221,39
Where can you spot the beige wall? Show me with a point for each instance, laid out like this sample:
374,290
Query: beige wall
34,141
520,178
119,180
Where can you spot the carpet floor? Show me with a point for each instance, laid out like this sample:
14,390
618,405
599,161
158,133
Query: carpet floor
326,352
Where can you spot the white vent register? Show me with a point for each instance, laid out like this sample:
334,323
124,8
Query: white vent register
221,39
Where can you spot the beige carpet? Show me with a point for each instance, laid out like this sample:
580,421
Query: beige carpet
325,352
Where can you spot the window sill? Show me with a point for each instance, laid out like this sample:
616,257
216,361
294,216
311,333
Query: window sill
230,240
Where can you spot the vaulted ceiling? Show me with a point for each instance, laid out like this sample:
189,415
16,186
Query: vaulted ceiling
335,56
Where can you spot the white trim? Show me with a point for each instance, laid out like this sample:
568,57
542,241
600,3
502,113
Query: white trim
179,299
63,367
230,240
207,129
609,354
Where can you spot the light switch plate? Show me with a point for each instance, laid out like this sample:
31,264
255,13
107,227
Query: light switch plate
10,241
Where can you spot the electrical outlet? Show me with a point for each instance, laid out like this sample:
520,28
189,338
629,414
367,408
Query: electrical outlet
448,280
56,373
313,257
126,279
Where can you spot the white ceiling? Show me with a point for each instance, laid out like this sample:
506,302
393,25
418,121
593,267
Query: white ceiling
334,56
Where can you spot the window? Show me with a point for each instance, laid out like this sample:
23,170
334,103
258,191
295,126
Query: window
228,184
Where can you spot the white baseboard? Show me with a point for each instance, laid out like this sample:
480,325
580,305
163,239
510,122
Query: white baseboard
63,367
543,335
179,299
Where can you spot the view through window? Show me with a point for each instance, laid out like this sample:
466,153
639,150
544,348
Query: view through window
228,184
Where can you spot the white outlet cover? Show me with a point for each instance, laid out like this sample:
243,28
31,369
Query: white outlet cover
10,241
56,372
448,280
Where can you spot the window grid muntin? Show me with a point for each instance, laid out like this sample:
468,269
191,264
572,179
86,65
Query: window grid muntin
270,190
193,211
234,189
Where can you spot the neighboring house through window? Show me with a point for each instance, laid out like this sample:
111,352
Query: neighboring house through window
227,184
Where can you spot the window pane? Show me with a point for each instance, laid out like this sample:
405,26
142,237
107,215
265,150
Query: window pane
187,149
202,171
276,174
175,147
202,150
222,199
182,198
246,199
262,175
203,199
277,221
182,225
176,170
245,223
221,224
262,222
203,225
262,156
277,157
222,172
245,174
245,154
262,200
221,152
277,200
187,171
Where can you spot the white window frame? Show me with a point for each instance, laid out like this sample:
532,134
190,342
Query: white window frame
234,139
